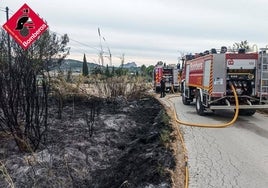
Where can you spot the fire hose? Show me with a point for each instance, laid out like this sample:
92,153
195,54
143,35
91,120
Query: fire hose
203,126
212,125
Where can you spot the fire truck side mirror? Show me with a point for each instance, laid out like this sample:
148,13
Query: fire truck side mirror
223,49
213,51
178,66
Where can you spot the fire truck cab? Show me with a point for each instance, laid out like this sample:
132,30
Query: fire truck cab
207,79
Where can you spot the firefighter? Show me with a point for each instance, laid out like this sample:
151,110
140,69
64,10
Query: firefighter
162,87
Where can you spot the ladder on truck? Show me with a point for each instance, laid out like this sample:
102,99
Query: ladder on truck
263,75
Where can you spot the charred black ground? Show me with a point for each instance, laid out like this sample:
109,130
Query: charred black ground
96,143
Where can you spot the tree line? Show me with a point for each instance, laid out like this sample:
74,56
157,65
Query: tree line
116,71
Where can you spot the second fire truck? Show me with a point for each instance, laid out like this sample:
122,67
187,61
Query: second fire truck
207,78
170,73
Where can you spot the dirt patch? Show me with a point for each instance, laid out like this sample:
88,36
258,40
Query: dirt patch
99,143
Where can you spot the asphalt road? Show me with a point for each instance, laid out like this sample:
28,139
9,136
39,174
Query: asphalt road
235,156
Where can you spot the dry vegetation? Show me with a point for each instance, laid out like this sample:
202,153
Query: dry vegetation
102,132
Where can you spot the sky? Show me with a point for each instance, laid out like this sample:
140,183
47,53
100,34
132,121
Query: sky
148,31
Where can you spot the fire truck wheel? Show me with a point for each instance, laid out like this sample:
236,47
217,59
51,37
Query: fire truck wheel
199,106
184,100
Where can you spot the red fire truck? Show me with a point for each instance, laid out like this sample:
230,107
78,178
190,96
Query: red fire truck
207,78
170,73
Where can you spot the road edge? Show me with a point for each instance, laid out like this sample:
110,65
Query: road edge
181,169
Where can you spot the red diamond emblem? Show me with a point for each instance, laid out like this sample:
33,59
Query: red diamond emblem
25,26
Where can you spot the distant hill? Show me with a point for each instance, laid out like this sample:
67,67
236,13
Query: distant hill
75,65
130,65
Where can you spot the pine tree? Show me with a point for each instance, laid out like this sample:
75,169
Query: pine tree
85,67
113,71
107,71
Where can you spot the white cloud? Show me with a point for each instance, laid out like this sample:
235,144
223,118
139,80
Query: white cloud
152,30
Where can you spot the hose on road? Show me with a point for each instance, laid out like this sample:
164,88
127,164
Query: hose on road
206,125
203,126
